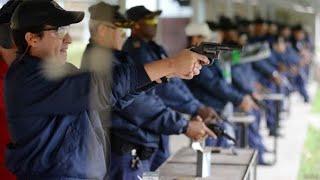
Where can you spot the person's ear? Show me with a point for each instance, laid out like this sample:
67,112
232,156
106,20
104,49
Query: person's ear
32,39
136,26
194,40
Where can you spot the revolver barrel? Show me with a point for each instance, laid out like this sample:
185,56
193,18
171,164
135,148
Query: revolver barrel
212,50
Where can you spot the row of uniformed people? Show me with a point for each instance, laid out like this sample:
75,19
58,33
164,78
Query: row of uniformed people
54,109
130,144
212,88
151,106
209,87
141,121
246,77
269,72
141,46
284,61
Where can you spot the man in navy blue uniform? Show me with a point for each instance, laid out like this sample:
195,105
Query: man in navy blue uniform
138,119
55,130
267,74
294,59
264,67
303,49
214,90
243,80
175,94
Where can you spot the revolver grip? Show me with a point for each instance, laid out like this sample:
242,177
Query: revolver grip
199,51
219,131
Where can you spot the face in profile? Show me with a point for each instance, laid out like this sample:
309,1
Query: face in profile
280,45
148,27
52,45
261,29
243,39
233,35
111,36
299,35
119,38
273,29
286,32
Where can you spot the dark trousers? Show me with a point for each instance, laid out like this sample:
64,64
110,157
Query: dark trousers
162,154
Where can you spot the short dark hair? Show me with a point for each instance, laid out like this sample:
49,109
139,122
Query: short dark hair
19,37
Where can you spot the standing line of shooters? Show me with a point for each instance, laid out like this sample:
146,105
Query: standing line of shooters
272,61
55,125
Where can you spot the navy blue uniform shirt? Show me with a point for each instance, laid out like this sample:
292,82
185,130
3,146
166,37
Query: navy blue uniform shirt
54,129
142,117
211,88
174,93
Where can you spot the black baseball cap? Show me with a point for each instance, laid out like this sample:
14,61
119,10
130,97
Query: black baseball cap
109,13
214,26
283,26
7,10
140,12
297,27
226,24
37,13
259,20
6,40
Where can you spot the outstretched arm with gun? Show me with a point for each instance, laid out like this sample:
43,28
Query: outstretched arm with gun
209,49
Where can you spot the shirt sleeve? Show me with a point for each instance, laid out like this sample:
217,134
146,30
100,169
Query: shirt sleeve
148,112
30,92
177,96
212,82
264,67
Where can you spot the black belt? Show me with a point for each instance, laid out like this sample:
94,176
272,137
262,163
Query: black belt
122,147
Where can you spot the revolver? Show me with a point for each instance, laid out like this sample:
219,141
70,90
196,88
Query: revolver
212,50
220,132
260,103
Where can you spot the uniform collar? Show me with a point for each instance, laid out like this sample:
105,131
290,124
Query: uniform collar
136,39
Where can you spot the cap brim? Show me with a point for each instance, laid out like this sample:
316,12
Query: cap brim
213,26
66,18
122,22
154,14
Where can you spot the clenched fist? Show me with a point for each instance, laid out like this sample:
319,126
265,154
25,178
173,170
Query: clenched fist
187,64
197,130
